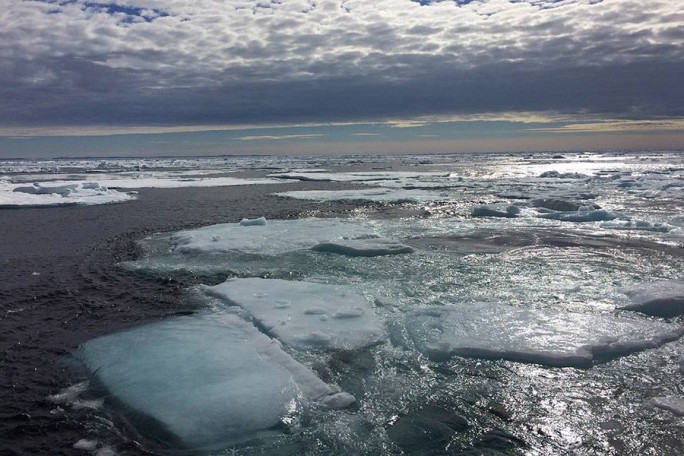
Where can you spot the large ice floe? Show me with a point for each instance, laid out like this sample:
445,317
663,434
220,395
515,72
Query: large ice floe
59,194
366,247
358,176
380,195
203,381
662,298
548,337
271,238
305,314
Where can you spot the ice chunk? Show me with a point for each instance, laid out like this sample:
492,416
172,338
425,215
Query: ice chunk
556,204
206,380
664,298
495,210
363,247
329,316
670,403
583,214
559,175
276,237
637,225
381,195
261,221
485,330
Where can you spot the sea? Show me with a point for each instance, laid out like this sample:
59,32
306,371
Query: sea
479,304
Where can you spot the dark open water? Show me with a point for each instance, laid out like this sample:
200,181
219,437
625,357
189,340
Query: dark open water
60,286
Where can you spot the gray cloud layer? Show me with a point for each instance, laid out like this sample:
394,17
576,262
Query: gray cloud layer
171,62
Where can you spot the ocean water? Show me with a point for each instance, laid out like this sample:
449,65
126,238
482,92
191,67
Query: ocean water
495,334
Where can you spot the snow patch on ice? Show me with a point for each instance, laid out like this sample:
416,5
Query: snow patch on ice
492,331
261,221
207,379
316,315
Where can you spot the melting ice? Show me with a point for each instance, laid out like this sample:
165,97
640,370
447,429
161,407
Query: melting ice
508,313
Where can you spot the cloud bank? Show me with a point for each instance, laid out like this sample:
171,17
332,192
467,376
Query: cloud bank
164,63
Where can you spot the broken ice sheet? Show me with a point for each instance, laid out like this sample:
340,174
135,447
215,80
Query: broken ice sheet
305,314
203,381
547,337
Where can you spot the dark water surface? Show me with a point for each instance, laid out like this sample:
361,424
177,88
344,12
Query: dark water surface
60,286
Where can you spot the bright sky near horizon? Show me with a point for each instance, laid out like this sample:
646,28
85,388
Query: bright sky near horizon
172,77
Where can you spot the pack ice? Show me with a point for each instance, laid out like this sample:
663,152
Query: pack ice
499,331
270,238
59,193
305,314
663,298
204,380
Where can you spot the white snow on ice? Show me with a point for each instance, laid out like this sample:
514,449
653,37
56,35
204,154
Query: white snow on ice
208,379
305,314
548,337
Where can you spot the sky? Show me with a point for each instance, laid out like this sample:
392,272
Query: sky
213,77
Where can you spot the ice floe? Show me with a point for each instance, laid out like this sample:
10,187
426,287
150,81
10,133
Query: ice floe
496,210
275,237
492,331
670,403
368,247
583,214
57,194
359,176
663,298
637,225
305,314
207,380
381,195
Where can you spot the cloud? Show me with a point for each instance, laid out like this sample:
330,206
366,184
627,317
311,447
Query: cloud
165,63
278,137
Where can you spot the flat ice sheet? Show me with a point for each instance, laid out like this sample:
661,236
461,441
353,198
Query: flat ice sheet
275,237
553,338
358,176
207,379
59,194
663,298
380,195
305,314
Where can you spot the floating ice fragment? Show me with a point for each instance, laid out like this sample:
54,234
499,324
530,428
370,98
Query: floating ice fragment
363,247
559,175
492,331
261,221
670,403
637,225
495,210
206,380
583,214
351,323
664,298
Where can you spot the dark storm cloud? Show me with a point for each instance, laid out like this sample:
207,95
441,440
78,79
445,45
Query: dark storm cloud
143,62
